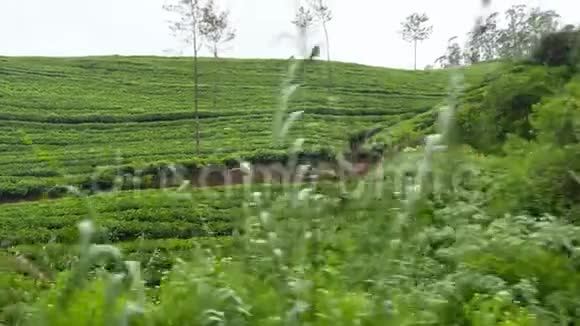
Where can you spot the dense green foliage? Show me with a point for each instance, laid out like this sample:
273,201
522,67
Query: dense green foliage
531,117
559,49
504,105
477,227
447,262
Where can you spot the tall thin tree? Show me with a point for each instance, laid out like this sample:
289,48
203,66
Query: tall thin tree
303,21
215,28
452,56
524,29
513,38
482,41
186,26
324,16
541,23
415,29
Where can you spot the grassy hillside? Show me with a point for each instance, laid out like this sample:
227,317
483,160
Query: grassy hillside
66,116
483,231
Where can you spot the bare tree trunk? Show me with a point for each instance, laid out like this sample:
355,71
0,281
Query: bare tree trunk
304,40
415,65
305,50
330,83
215,55
196,91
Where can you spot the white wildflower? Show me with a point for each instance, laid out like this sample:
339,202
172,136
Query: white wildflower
246,167
304,194
86,228
272,236
318,197
259,241
434,139
100,250
264,217
277,252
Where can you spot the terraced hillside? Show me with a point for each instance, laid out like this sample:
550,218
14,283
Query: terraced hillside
151,226
67,116
70,116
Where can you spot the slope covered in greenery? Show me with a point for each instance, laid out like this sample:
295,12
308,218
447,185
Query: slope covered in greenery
478,227
67,116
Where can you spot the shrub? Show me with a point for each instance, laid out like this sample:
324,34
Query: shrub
538,179
15,291
505,105
557,119
559,49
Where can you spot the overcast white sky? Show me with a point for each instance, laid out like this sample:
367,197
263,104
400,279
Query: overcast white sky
363,31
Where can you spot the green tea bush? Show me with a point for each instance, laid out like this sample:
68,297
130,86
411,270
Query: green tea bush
97,106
